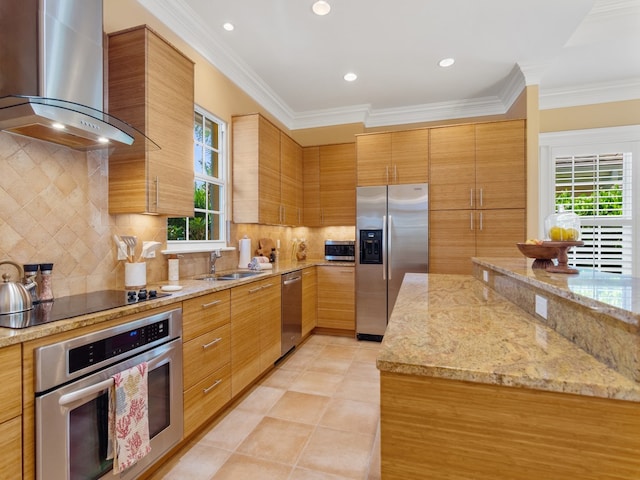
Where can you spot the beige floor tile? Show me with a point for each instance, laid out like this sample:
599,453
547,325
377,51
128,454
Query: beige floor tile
260,399
318,340
305,474
339,340
243,467
374,463
277,440
300,407
351,416
317,383
336,366
343,352
280,378
199,463
366,355
370,345
232,429
298,360
359,388
364,369
339,453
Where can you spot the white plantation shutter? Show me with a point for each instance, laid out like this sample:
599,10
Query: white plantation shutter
598,187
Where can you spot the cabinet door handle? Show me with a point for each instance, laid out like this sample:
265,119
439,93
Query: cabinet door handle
480,221
254,290
307,273
386,168
268,285
157,182
471,221
481,202
208,389
471,197
211,304
207,345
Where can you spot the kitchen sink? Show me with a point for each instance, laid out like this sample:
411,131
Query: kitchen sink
228,276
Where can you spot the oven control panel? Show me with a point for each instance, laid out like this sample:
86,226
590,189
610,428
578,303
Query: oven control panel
100,350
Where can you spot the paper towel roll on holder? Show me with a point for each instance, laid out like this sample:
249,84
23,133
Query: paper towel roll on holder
244,249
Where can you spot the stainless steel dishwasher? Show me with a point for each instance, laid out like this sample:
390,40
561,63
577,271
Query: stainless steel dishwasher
291,310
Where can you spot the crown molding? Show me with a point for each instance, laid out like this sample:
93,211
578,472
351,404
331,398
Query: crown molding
590,94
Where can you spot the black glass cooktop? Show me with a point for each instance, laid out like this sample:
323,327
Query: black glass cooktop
75,305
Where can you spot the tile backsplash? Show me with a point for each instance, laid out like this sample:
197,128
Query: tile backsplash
54,209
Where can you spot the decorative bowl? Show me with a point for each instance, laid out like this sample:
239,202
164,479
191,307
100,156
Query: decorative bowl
539,252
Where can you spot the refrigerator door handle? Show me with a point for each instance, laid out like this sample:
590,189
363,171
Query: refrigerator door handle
389,243
384,247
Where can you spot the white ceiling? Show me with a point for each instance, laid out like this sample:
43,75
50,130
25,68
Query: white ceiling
292,61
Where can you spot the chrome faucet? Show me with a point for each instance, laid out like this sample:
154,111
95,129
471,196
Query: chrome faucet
215,255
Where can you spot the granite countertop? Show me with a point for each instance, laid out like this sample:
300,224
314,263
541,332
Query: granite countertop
456,327
612,294
191,288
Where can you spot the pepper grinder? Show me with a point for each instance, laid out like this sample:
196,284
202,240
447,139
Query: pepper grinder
46,292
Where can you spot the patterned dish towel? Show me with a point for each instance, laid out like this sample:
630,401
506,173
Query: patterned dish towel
128,418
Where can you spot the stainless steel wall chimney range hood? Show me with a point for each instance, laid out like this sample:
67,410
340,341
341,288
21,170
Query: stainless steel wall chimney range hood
51,75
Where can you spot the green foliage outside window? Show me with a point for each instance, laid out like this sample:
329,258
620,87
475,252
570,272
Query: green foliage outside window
604,202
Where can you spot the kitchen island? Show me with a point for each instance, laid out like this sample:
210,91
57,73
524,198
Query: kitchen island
475,386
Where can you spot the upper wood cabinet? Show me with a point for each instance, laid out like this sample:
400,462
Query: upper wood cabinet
267,173
330,185
478,166
393,158
151,87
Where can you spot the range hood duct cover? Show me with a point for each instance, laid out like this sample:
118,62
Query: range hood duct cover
52,75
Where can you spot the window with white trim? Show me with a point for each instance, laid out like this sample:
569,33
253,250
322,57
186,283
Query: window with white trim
207,227
595,180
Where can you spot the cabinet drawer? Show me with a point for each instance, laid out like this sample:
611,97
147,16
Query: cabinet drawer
11,448
206,354
201,315
11,381
205,398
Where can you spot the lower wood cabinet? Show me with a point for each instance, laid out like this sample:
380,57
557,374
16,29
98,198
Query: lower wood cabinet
206,357
11,412
336,298
457,235
255,331
309,300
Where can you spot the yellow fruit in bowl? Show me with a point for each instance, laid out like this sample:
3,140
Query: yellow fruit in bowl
533,241
571,234
556,233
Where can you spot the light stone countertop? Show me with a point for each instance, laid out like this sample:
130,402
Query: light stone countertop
192,288
456,327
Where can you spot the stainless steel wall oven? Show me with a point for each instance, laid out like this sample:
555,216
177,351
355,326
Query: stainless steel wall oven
72,382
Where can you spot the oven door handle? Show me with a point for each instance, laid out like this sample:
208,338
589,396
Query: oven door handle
73,397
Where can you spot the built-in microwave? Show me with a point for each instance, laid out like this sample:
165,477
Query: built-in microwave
340,250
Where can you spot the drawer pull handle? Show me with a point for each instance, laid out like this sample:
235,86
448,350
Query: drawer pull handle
268,285
211,343
254,290
208,389
211,304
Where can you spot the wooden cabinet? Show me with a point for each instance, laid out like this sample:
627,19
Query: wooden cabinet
478,166
457,235
206,357
11,413
267,173
477,193
393,158
329,185
338,184
151,87
309,300
255,331
336,298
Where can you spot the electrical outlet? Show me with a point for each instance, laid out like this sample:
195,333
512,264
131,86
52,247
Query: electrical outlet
121,251
485,276
541,306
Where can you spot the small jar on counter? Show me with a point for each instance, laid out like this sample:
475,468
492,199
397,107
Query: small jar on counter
46,289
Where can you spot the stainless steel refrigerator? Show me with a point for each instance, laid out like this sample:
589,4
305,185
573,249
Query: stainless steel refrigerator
392,230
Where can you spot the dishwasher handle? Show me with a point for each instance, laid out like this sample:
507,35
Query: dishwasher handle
289,281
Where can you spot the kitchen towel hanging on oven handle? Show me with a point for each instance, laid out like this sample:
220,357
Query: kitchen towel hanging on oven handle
129,417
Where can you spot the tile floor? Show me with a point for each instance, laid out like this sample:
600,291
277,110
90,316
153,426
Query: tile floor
315,416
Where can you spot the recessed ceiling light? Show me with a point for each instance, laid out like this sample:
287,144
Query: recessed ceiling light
321,7
58,126
350,77
228,26
446,62
103,140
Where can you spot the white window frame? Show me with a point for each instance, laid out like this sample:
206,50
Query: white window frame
587,142
194,246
